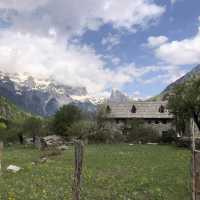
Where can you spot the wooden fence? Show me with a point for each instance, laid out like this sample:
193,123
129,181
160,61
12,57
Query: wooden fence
1,155
196,175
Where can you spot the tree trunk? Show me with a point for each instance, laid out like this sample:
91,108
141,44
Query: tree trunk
1,153
21,139
34,138
196,120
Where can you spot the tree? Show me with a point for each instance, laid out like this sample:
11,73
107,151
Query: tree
33,126
65,117
15,130
102,111
3,128
184,103
81,129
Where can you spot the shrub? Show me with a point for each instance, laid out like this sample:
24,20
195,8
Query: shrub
139,133
169,136
8,135
106,134
184,142
80,130
65,117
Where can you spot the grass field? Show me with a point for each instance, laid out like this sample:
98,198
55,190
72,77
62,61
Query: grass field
111,172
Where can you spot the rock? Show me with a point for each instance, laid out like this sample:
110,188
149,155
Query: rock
29,141
13,168
43,160
40,143
63,147
153,143
48,141
54,140
131,144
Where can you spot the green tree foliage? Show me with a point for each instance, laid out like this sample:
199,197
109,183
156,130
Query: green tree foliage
81,129
5,134
65,117
2,126
33,127
102,111
10,112
184,103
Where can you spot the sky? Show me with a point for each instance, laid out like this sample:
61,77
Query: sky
136,46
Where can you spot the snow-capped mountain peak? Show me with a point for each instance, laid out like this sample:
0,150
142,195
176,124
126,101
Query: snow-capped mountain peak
40,95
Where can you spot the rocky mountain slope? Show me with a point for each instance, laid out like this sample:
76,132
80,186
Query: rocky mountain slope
41,96
118,97
194,72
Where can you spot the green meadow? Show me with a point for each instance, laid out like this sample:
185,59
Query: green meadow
111,172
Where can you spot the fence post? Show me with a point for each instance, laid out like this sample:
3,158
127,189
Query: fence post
197,175
79,151
1,154
193,161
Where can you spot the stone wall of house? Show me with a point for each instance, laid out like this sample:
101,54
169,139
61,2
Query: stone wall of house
159,125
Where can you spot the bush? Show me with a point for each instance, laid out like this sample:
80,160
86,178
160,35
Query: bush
65,117
139,133
106,134
80,130
186,142
8,135
169,136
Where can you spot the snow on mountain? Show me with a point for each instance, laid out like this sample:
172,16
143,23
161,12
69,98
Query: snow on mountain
40,95
88,98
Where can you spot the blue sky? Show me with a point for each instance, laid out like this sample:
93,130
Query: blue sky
136,46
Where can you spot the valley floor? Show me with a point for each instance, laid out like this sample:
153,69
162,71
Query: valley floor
111,172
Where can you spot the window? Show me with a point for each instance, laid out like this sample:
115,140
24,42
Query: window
161,109
108,109
133,110
157,122
117,121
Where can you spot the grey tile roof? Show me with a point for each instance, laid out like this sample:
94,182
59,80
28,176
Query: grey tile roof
144,110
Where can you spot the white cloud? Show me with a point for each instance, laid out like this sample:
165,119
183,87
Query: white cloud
173,1
70,64
170,73
181,52
38,39
163,74
72,17
156,41
138,96
22,4
111,40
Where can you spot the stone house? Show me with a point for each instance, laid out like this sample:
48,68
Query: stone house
154,114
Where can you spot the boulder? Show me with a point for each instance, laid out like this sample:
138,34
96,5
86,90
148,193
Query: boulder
63,147
13,168
54,140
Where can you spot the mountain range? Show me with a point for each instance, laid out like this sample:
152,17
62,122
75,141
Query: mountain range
44,96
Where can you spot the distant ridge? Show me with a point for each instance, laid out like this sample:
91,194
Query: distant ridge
42,96
163,95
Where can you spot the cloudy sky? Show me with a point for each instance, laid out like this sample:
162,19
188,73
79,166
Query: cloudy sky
137,46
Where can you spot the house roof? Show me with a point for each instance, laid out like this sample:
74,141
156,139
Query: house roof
144,110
